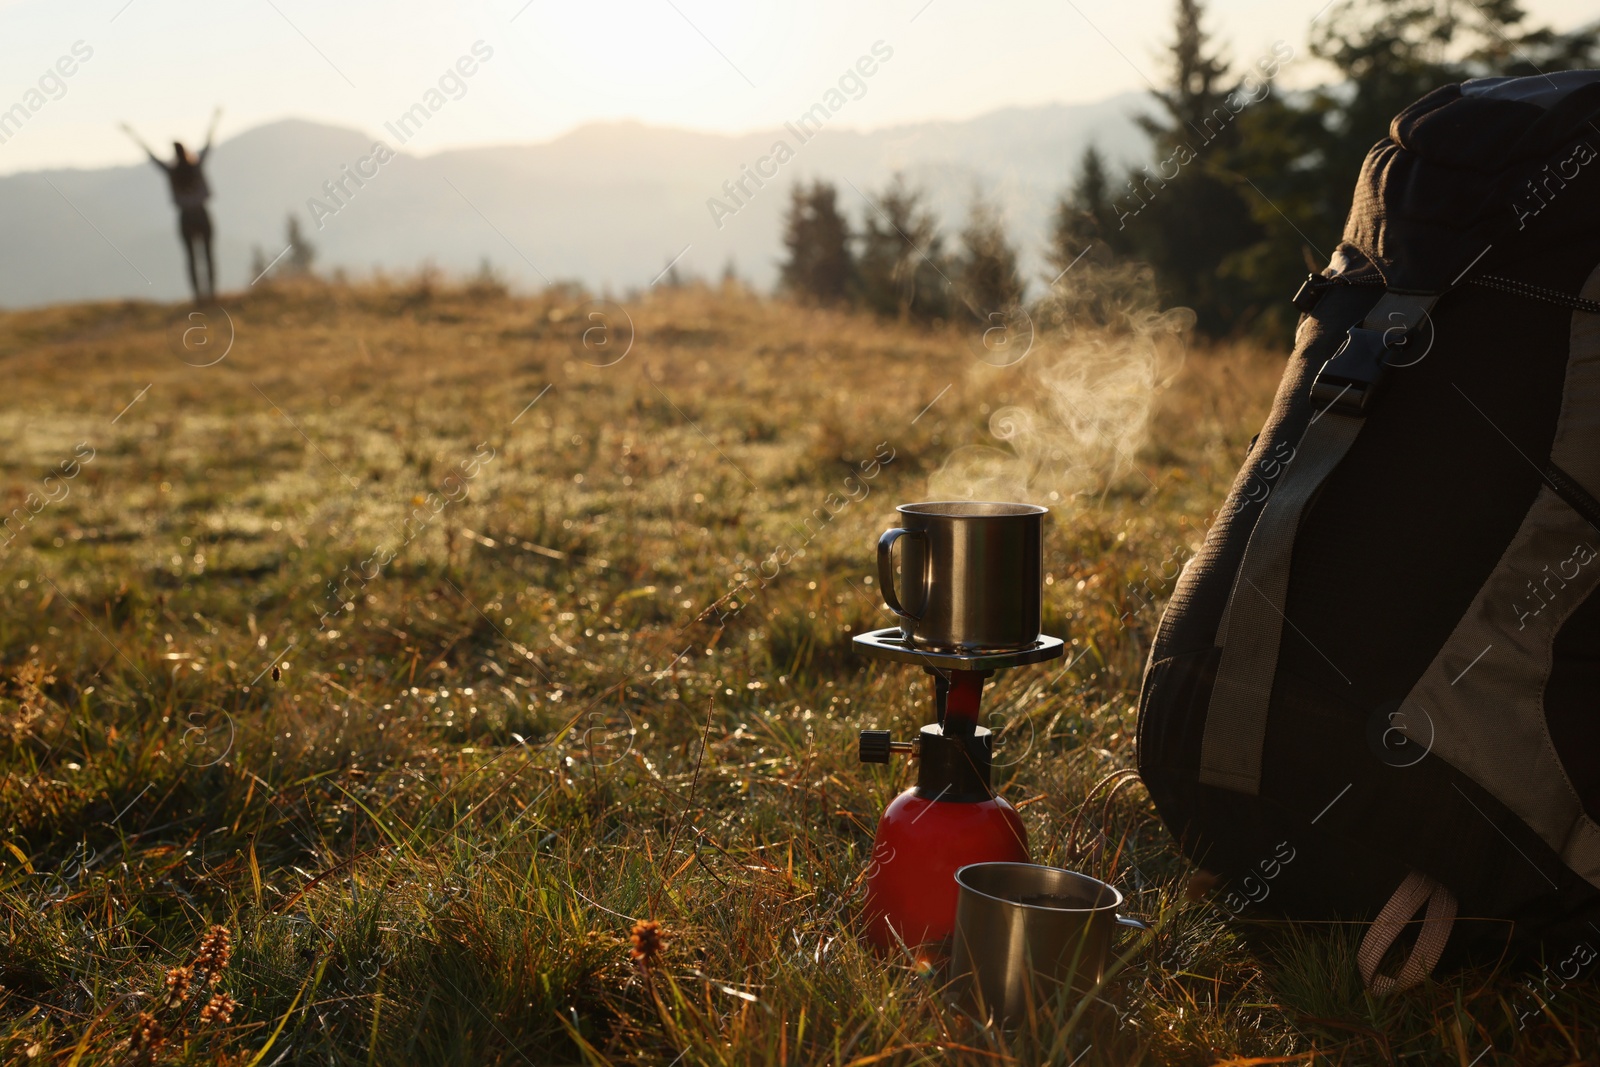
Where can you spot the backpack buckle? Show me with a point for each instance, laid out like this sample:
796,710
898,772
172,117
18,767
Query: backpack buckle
1356,373
1396,327
1305,298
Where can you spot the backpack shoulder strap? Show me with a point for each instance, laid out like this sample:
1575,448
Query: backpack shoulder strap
1252,626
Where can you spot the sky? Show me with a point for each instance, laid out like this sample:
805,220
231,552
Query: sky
542,68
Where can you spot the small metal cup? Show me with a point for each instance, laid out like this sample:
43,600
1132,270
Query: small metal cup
1023,931
973,575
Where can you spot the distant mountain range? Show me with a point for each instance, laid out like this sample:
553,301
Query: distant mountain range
607,205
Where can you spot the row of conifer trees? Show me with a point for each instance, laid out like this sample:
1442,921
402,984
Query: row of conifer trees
1245,190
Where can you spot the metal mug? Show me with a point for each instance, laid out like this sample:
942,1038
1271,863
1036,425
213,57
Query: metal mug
1024,930
973,574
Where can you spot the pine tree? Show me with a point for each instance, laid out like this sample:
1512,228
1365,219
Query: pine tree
1198,81
670,277
819,267
1085,225
902,268
1183,214
1303,153
989,281
302,253
486,284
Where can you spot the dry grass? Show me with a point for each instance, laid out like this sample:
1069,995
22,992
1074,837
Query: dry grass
430,802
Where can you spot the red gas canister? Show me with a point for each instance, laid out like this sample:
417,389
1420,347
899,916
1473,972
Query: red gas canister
912,884
949,819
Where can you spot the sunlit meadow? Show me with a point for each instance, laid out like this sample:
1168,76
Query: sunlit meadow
427,659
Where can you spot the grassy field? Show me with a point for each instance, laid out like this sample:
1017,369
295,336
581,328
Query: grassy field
426,658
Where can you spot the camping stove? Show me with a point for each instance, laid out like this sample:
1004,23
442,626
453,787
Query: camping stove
976,580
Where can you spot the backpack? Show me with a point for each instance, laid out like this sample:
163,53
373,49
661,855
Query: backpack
1375,690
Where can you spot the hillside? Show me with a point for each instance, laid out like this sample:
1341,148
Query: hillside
608,205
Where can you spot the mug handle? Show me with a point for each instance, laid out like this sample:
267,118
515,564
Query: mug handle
1133,924
886,570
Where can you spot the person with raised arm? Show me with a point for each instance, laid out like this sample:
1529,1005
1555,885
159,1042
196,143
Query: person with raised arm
190,193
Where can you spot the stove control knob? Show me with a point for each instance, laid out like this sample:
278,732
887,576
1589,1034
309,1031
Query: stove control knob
874,746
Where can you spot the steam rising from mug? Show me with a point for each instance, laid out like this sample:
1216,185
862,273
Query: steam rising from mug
1103,352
